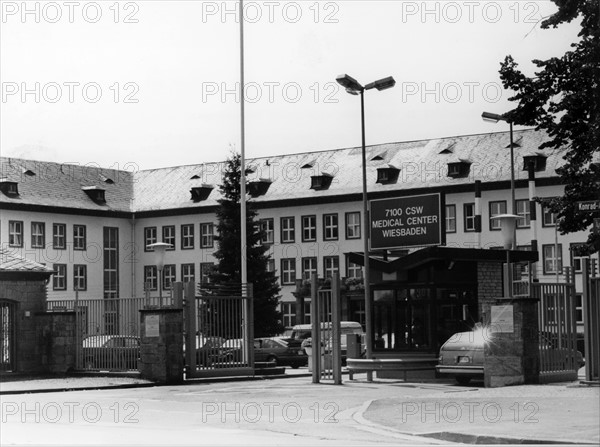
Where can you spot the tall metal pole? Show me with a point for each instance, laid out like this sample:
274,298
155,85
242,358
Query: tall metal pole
244,267
512,183
368,304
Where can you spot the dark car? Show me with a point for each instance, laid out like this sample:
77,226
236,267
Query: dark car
281,351
111,352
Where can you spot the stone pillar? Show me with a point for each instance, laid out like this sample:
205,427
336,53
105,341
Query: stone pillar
56,346
161,345
511,354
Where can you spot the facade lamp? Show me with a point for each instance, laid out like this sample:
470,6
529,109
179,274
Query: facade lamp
508,224
159,249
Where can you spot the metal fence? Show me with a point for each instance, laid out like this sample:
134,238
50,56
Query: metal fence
7,335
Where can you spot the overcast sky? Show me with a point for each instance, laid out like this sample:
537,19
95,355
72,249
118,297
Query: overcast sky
153,83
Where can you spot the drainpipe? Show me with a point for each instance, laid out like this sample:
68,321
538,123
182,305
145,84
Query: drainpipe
478,211
134,257
533,215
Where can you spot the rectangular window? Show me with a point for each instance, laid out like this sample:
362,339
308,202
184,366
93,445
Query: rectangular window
168,276
330,227
450,218
353,270
59,236
523,213
150,277
79,277
579,308
288,271
469,215
353,225
550,258
268,228
38,234
207,235
15,233
548,217
59,279
79,237
309,266
188,273
205,270
288,312
150,237
288,230
331,264
496,208
574,249
168,236
187,236
111,262
309,228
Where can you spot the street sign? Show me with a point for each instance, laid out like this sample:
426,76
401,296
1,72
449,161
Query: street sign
589,205
401,222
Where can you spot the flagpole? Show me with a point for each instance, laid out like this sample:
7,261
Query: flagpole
244,267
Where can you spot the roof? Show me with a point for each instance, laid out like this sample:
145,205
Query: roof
11,262
422,164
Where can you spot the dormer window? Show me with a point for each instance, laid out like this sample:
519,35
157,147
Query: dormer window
387,175
259,187
9,188
459,168
538,160
95,193
200,193
320,182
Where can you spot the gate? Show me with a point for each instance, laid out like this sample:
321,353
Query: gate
219,336
557,331
591,319
7,335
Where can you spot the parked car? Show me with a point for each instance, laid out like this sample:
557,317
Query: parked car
304,331
281,351
208,349
111,352
462,355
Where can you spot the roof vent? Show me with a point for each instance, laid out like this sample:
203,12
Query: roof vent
380,156
388,174
448,149
28,172
200,193
95,193
259,187
195,177
250,169
106,179
459,169
538,159
9,188
309,164
320,182
515,143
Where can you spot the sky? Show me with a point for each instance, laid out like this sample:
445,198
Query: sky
148,84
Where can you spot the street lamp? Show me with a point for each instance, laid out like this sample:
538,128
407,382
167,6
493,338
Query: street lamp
353,87
508,223
159,259
494,118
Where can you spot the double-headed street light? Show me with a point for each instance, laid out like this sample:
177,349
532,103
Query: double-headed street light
494,118
353,87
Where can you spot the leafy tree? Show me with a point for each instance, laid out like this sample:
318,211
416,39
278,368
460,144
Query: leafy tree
563,98
267,320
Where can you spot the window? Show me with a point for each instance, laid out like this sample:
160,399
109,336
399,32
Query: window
79,277
353,225
79,237
205,270
59,236
309,228
168,276
523,213
469,211
496,208
59,279
579,308
288,312
331,265
150,277
450,218
168,236
111,262
548,217
38,234
187,273
353,270
15,233
575,248
330,227
150,237
309,266
187,236
288,271
207,235
268,228
288,233
550,258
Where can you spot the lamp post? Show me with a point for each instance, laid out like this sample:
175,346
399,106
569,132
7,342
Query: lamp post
353,87
494,118
508,224
159,259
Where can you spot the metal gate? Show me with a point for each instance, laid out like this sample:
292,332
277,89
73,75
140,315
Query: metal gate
557,331
219,338
7,335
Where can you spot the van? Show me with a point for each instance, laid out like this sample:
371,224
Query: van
304,331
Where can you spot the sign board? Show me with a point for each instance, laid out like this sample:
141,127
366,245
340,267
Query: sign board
152,326
502,319
400,222
589,205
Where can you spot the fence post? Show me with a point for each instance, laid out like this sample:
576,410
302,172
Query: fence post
316,330
177,292
190,327
336,329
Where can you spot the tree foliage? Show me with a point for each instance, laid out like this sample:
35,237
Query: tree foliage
563,98
267,320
